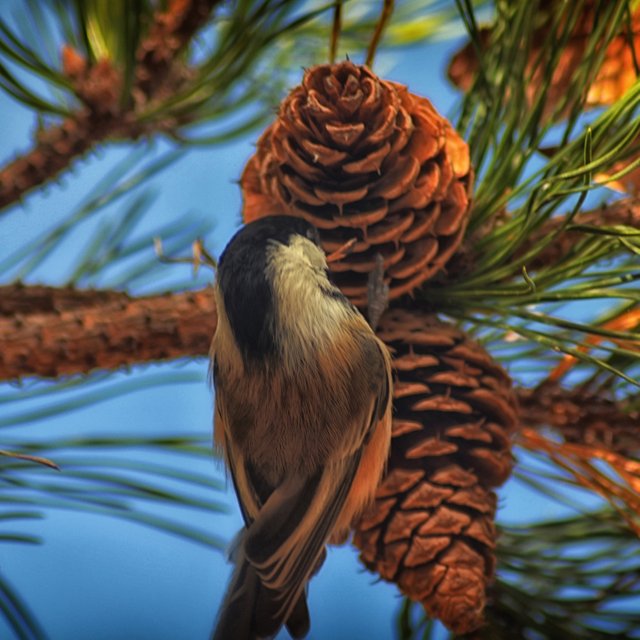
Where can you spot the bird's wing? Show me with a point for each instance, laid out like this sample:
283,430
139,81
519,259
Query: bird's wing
247,498
287,538
235,620
288,526
383,399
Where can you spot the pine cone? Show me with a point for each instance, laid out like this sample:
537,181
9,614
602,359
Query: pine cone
614,77
361,157
431,527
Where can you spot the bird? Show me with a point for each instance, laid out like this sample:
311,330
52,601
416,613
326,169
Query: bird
302,418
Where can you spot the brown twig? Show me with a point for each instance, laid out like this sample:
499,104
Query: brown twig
169,34
335,31
108,333
28,458
387,10
20,299
628,320
55,150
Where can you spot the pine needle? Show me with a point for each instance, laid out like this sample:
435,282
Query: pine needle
579,460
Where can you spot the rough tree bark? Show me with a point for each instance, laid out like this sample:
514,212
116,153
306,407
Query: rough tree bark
49,332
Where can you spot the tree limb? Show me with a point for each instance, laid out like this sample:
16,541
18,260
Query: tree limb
50,332
54,332
20,299
583,418
57,147
102,116
623,212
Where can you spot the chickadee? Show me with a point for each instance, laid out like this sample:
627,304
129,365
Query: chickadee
302,412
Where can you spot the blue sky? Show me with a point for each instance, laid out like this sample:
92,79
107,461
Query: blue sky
101,578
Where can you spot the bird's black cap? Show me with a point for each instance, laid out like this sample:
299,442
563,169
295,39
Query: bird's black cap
256,235
247,294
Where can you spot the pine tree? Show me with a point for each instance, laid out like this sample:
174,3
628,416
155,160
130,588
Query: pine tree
487,231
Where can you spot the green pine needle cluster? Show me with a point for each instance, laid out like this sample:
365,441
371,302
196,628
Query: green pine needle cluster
520,191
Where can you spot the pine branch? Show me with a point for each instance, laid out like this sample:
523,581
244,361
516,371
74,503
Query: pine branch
132,84
102,115
56,148
583,418
565,234
19,299
65,333
623,212
51,332
167,37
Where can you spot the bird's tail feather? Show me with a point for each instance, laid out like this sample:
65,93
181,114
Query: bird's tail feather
247,612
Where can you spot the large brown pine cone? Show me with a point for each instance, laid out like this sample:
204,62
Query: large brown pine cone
361,157
616,74
431,529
